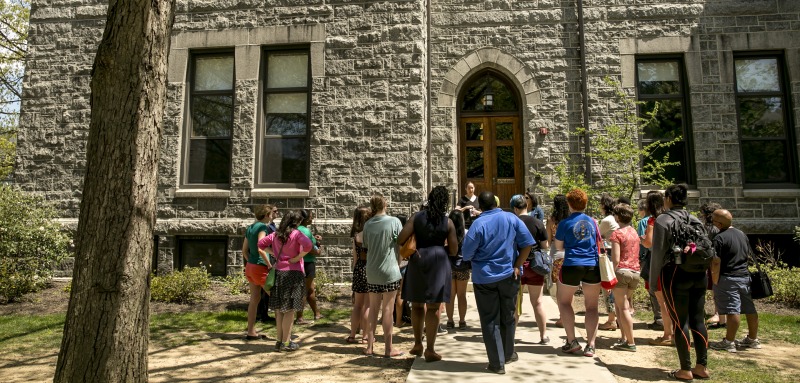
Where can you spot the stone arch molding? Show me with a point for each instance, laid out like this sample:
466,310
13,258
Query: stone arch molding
519,73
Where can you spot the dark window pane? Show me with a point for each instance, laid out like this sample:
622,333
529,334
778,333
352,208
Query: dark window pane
659,77
675,153
210,253
286,124
212,115
757,75
285,160
761,117
474,131
475,162
209,161
504,131
765,161
668,123
502,98
505,161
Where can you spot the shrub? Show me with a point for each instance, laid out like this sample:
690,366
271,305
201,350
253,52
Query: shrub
31,243
325,288
785,284
186,286
236,284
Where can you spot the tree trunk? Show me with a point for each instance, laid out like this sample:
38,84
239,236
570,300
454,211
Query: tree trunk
106,332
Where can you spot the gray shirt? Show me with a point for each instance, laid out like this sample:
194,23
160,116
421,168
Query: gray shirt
380,239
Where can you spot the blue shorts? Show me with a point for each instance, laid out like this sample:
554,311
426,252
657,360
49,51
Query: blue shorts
732,295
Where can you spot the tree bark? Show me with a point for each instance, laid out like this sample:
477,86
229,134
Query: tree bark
106,332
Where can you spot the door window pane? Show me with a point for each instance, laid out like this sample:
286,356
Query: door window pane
505,162
287,70
474,131
208,252
209,161
659,77
761,117
757,75
764,161
213,73
475,162
504,131
489,93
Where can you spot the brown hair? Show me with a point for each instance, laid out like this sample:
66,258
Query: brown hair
624,213
360,217
377,203
577,199
263,211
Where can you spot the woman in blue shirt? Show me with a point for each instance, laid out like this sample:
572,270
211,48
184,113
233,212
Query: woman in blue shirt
577,236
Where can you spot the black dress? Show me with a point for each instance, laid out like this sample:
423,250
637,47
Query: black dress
428,277
468,218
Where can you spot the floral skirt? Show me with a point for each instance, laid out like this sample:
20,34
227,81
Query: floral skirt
360,277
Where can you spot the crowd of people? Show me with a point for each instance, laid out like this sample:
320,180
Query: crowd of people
497,250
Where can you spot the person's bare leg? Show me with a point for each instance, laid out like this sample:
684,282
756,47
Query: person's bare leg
431,328
398,306
535,293
286,326
279,325
752,325
358,313
591,294
387,305
461,289
252,308
733,326
624,314
450,306
565,310
311,297
417,322
665,317
374,308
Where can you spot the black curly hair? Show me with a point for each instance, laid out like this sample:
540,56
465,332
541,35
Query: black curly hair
560,208
437,204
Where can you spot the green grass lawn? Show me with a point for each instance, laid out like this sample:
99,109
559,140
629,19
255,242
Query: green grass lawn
33,333
751,366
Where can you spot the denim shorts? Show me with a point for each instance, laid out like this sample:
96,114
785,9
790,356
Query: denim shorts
732,295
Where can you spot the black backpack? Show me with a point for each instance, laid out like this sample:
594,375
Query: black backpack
686,230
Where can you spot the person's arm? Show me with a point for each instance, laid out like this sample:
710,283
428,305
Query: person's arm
658,252
558,244
615,253
452,240
471,245
408,229
262,252
523,255
647,241
245,251
304,246
355,253
558,238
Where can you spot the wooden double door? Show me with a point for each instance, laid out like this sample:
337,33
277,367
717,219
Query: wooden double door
491,155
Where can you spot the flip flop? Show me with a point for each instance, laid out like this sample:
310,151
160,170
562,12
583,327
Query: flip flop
395,355
255,337
352,340
672,375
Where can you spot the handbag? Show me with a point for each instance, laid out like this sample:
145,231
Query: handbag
760,285
458,263
608,278
540,262
409,248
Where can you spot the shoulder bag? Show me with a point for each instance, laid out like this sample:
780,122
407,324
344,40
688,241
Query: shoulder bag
409,248
608,279
760,285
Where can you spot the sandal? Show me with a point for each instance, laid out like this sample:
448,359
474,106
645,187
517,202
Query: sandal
608,326
673,376
714,326
352,340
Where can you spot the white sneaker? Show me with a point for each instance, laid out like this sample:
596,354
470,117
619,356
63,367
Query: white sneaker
723,345
748,342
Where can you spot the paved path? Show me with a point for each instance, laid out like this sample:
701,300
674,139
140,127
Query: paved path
465,360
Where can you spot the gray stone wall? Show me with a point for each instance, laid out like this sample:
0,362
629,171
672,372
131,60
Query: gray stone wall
373,97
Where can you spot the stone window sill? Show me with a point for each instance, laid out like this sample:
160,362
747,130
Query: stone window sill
202,193
691,193
771,193
284,192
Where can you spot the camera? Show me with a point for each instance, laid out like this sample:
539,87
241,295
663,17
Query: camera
676,254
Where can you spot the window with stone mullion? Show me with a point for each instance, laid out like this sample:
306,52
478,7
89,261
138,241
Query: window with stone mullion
210,123
284,144
660,81
766,136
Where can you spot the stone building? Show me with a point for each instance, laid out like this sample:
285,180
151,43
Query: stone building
320,103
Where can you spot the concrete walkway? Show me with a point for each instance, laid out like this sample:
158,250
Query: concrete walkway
464,355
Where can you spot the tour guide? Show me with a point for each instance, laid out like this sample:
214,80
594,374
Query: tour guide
498,244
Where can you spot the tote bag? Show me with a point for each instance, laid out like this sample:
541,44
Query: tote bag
608,279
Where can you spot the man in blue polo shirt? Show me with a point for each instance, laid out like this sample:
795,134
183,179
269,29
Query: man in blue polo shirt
498,244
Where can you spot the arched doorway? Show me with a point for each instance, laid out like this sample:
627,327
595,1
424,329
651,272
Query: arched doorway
490,138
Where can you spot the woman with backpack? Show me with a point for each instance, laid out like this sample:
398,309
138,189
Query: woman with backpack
529,277
684,288
655,207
